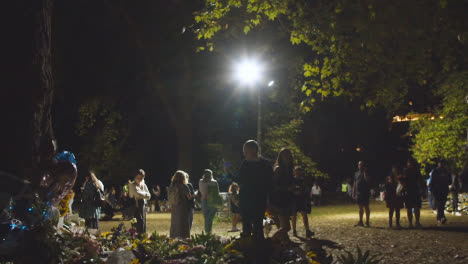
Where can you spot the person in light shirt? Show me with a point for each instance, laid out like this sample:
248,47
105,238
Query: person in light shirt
138,191
316,192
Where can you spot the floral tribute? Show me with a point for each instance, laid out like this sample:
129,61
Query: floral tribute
200,248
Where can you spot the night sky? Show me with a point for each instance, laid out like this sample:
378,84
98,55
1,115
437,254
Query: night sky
129,55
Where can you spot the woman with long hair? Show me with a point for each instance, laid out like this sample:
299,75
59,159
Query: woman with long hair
90,208
281,199
179,195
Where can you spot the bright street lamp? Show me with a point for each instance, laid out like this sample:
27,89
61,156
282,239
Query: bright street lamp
249,72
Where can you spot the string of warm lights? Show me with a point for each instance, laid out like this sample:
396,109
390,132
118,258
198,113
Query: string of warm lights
414,117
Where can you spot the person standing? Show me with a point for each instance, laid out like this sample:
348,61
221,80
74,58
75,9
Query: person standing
234,193
156,194
255,178
209,190
109,205
413,184
429,193
440,181
281,199
455,188
90,205
301,201
393,201
344,190
316,193
179,195
138,191
361,192
191,202
126,203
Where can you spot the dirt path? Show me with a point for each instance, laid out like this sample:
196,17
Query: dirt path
432,244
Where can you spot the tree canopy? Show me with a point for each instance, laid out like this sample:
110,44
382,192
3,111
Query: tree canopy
444,135
377,52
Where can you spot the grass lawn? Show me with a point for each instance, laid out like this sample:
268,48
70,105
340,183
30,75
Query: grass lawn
344,214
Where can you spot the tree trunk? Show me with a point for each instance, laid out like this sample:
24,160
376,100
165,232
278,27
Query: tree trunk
27,88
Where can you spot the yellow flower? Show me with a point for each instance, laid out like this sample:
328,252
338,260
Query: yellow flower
311,254
135,243
183,247
105,234
229,246
135,261
146,240
63,205
171,241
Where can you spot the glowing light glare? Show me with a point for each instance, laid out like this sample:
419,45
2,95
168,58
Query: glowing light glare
415,117
271,83
248,71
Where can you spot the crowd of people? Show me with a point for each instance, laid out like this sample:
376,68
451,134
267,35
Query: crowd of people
280,192
405,189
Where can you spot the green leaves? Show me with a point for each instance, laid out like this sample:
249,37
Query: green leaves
445,136
286,135
366,258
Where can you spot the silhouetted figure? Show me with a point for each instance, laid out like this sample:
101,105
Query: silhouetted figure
301,201
414,185
393,201
255,177
440,182
361,192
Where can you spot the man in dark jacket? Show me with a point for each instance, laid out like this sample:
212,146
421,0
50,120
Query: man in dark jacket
255,177
439,185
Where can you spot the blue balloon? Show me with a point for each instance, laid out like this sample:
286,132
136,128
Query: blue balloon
66,156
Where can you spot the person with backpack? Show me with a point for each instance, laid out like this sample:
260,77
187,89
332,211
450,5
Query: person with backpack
440,181
210,198
178,198
91,200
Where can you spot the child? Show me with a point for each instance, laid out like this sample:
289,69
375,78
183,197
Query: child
394,202
234,191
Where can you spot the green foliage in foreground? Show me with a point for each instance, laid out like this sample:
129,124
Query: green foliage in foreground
366,258
286,136
444,138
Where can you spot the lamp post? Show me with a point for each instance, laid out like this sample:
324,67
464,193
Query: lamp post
248,72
